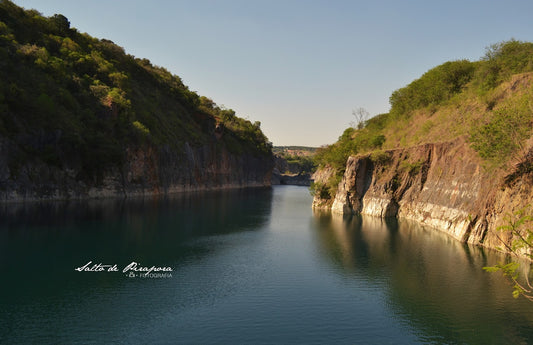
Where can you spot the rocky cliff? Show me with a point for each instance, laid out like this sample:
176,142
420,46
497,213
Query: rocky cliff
143,170
444,186
79,117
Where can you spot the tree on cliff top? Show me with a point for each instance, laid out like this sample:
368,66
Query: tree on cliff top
360,114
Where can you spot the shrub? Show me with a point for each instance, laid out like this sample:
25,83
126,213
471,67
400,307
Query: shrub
140,127
380,157
502,60
412,168
434,87
519,225
320,190
500,137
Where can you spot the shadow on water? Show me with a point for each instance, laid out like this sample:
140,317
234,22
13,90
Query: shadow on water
42,243
434,284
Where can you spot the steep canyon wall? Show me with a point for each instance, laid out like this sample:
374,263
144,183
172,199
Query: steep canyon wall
444,186
143,170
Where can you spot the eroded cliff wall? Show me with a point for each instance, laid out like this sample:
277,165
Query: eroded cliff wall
444,186
143,170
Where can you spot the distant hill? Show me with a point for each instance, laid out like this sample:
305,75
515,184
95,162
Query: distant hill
294,150
294,160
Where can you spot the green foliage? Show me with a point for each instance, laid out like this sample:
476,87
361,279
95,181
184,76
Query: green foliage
333,184
244,136
380,157
433,88
140,127
321,191
99,99
412,168
45,104
501,61
450,88
518,225
501,135
441,83
351,142
304,164
59,24
117,97
336,155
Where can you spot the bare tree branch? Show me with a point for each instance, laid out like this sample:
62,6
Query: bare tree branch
361,115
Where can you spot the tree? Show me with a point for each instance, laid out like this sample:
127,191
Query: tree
360,115
60,24
519,226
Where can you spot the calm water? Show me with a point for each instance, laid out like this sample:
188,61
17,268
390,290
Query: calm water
252,266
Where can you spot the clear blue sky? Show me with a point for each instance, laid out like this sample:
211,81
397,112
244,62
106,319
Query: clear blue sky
299,66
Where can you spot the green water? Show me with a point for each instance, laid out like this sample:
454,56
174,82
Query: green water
253,266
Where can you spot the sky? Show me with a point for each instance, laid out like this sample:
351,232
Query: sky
298,66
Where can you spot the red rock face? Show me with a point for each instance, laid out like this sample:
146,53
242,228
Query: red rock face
441,185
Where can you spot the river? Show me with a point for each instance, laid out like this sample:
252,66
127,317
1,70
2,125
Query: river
251,266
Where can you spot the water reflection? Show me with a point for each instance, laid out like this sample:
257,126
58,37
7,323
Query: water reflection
42,243
435,285
250,266
139,222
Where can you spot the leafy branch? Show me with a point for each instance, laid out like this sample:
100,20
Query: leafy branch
518,225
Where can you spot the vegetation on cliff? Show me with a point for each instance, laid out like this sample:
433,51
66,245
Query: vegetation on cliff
519,225
489,102
484,109
69,99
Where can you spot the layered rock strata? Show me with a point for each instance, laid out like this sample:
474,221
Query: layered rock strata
145,170
444,186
